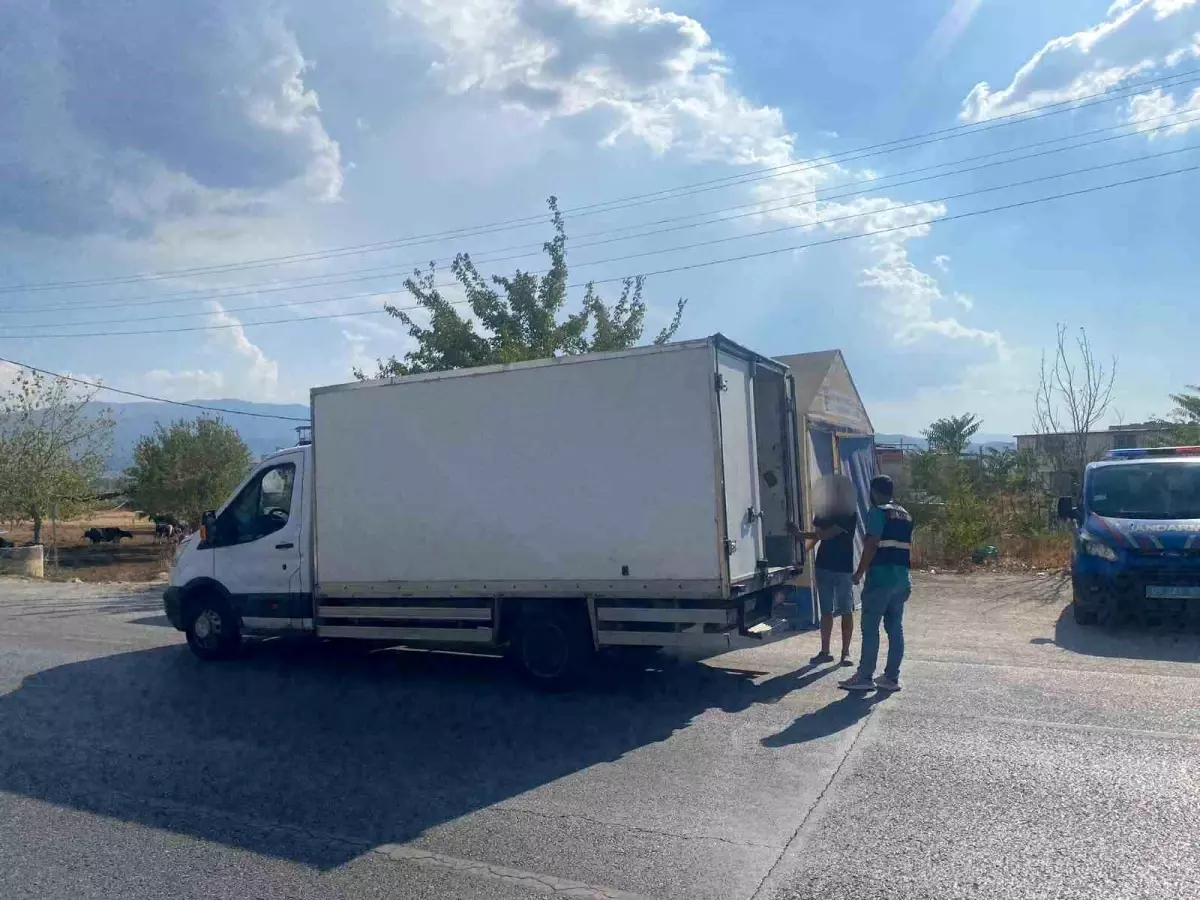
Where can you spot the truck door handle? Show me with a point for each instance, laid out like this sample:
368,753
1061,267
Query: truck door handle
288,545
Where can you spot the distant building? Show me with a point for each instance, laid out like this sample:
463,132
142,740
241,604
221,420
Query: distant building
889,460
1116,437
1055,447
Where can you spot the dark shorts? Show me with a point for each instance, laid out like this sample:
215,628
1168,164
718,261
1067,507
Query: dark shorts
835,592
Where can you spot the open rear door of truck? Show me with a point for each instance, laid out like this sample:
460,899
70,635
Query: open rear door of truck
743,511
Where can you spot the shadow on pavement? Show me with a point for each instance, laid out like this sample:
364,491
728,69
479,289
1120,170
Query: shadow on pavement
351,748
1127,641
116,605
1045,590
159,620
829,719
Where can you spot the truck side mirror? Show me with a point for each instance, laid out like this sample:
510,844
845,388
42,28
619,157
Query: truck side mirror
1066,508
208,526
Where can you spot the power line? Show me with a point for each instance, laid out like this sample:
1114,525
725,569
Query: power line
1107,96
673,269
692,246
104,387
755,209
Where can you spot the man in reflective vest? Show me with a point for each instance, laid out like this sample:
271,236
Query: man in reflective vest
885,563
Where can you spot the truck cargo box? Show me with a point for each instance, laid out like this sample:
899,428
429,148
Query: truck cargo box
659,472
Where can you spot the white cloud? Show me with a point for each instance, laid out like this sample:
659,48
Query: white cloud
1136,38
261,380
942,261
913,299
1000,390
1152,109
185,384
653,76
360,359
116,117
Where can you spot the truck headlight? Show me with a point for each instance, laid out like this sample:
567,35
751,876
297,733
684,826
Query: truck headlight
1095,548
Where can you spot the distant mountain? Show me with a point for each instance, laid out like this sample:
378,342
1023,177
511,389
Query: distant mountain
982,441
135,420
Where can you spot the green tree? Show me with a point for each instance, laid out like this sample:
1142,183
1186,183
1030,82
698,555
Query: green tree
1186,418
969,521
519,316
952,434
53,448
186,468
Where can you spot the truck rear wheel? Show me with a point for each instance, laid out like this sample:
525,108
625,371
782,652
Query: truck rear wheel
211,628
553,647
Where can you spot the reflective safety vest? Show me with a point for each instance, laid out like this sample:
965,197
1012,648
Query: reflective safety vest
895,546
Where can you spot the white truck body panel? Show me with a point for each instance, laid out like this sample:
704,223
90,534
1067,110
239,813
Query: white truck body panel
594,475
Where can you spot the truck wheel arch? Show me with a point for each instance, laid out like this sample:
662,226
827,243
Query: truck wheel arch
197,588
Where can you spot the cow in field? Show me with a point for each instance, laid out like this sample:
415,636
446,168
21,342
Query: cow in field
107,535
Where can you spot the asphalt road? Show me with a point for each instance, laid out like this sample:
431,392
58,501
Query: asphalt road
1025,758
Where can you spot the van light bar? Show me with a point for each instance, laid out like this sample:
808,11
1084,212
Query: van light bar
1146,452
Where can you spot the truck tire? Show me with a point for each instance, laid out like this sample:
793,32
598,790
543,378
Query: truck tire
553,647
211,628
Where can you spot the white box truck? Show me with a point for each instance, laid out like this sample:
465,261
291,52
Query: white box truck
547,509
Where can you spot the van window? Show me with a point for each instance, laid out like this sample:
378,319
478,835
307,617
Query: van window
1149,490
262,508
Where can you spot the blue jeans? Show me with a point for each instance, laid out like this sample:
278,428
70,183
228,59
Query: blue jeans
883,604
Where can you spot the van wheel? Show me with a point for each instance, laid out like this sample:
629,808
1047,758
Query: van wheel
211,628
1083,615
553,647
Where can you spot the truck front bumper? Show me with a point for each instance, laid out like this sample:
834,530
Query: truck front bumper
173,606
1160,591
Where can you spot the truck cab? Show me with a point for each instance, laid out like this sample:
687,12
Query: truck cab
250,560
1136,545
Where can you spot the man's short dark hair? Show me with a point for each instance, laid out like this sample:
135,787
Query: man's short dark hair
881,485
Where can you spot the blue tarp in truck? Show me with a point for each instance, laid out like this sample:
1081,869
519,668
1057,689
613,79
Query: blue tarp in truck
1137,536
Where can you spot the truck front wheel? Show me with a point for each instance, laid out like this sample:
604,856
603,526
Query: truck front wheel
211,628
553,647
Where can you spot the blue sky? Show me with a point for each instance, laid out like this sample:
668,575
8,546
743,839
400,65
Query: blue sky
133,139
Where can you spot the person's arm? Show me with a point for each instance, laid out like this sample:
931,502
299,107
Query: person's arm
874,528
826,532
800,534
870,546
823,532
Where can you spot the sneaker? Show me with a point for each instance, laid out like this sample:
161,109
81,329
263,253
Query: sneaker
857,683
846,662
821,658
891,685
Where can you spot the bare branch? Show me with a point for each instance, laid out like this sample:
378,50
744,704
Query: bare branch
1074,393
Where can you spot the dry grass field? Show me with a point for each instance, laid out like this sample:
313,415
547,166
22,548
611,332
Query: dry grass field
140,558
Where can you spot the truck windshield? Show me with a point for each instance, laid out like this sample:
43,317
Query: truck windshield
1149,490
